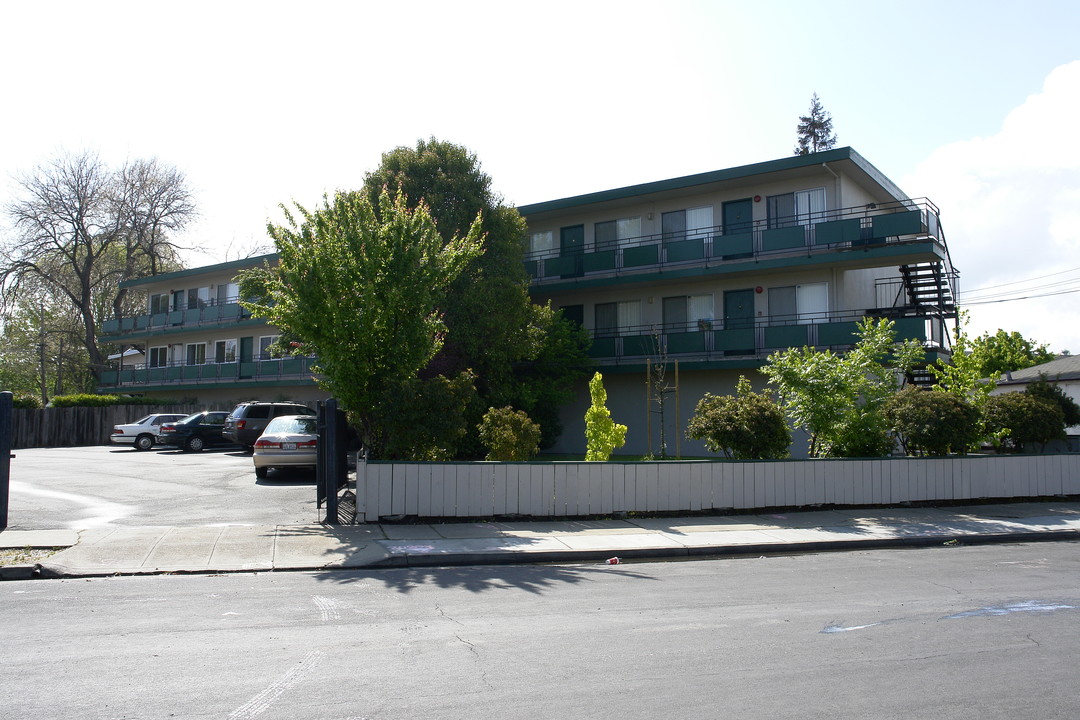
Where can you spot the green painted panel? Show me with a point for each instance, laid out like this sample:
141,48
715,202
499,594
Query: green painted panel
270,368
560,265
176,317
532,267
602,347
247,369
639,345
292,366
784,238
173,373
910,328
641,256
598,261
110,326
837,333
192,316
109,378
837,231
127,324
686,342
785,336
230,311
127,376
736,244
192,372
157,373
737,340
902,223
159,319
686,250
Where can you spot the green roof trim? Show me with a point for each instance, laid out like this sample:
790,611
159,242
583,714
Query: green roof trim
232,265
735,173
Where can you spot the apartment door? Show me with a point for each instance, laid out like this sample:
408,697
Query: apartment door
737,337
572,243
738,216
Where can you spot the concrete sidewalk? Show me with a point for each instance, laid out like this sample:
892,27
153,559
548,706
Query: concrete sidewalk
241,548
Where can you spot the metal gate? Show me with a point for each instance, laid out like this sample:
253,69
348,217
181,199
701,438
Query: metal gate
331,469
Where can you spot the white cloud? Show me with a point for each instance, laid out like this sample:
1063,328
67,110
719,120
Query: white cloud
1010,206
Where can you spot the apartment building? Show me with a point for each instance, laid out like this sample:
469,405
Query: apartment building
706,275
197,343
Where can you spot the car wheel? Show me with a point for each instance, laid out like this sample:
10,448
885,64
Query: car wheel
260,472
195,443
144,442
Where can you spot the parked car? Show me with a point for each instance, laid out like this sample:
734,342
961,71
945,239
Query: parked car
142,434
288,441
248,420
196,431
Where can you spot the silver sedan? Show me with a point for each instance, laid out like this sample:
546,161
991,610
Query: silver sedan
288,441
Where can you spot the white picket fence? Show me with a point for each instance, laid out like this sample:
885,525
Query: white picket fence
569,489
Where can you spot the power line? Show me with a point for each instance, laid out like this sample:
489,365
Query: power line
1017,282
1026,297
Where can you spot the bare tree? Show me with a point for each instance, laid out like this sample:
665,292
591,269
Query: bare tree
82,228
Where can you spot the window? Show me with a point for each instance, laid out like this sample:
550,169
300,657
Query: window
227,293
264,346
804,207
607,235
198,297
616,317
225,351
802,304
159,356
542,242
686,223
179,301
159,303
196,353
687,313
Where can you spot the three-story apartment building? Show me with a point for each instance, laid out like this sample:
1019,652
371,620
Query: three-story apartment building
718,270
199,344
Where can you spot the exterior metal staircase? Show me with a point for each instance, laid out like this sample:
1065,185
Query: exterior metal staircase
928,288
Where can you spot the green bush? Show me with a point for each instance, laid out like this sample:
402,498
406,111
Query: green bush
1022,420
509,435
932,422
747,426
26,402
602,434
1043,388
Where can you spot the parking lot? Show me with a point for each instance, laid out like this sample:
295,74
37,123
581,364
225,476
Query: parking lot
82,487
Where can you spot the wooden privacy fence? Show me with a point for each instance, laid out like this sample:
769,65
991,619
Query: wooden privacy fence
569,489
72,426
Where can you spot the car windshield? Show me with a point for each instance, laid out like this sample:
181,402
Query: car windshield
293,424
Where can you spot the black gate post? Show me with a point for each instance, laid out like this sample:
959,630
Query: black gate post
330,457
6,405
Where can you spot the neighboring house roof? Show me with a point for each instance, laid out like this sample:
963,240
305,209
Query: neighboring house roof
1066,367
127,353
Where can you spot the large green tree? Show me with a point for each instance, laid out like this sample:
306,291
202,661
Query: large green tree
838,399
522,354
364,291
1004,351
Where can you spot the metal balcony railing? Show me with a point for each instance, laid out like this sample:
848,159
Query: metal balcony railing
209,313
828,231
710,340
286,368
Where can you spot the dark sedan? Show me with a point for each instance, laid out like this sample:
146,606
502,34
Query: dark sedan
196,431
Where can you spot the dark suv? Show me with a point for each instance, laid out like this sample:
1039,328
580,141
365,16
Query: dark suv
248,419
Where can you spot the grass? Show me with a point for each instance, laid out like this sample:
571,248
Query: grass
24,556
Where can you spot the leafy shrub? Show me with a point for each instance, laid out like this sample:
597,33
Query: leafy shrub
602,434
747,426
26,402
1043,388
932,422
509,435
1022,420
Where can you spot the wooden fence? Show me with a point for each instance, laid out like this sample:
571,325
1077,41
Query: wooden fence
72,426
576,489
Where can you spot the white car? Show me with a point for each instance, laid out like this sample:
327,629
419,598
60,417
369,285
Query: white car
287,441
142,433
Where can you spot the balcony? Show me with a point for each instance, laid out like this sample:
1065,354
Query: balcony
210,313
864,227
297,368
748,343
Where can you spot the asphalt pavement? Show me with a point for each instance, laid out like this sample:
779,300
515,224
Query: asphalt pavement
116,550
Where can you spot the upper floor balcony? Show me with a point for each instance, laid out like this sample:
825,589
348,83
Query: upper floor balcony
292,369
898,231
196,315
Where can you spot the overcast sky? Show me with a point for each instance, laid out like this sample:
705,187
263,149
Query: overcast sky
972,104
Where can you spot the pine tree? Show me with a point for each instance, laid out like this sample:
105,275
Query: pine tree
815,130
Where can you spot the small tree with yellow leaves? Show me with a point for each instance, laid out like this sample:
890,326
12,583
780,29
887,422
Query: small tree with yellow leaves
602,434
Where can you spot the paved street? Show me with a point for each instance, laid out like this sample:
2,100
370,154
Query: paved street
952,632
89,487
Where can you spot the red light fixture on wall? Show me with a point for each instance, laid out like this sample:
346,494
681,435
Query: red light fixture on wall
757,198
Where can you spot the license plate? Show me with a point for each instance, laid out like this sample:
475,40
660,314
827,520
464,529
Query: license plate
288,446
